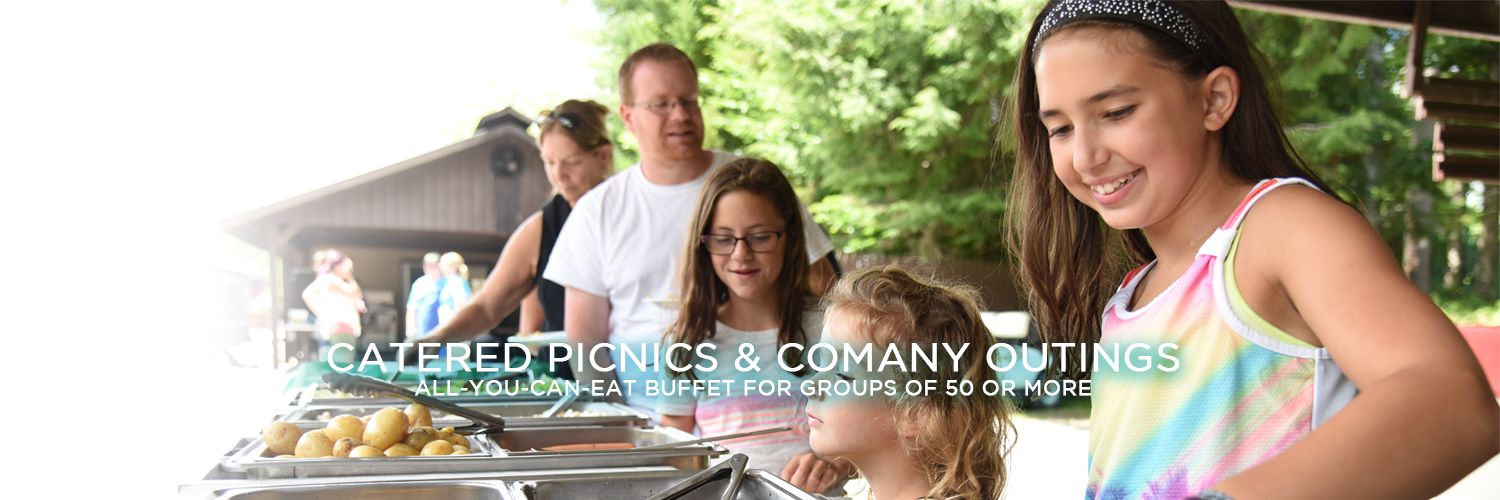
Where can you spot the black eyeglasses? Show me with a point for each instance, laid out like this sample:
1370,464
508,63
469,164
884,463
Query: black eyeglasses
719,244
570,121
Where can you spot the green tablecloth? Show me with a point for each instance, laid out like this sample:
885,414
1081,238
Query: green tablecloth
311,373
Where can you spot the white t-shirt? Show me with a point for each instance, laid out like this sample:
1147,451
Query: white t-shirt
622,241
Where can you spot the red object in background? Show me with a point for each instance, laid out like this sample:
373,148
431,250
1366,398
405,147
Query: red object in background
1485,341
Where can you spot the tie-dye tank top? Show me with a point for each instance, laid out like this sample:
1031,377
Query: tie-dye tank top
1242,390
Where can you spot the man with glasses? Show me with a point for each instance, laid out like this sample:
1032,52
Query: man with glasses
618,253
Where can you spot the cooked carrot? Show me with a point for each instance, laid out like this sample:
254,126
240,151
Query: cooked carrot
588,446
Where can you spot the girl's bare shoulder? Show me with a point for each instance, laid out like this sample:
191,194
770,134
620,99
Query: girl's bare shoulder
1303,227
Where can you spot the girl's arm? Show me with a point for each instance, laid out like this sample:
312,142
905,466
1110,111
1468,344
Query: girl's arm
1425,416
814,474
684,423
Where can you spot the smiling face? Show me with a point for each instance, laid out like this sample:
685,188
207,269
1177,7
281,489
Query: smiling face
749,275
675,136
852,427
1127,135
570,169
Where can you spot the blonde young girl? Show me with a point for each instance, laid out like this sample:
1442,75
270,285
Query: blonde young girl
924,445
744,280
1308,362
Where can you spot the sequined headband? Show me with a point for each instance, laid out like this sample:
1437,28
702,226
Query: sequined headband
1152,13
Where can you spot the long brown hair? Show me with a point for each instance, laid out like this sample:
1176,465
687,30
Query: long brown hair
1068,263
961,441
702,291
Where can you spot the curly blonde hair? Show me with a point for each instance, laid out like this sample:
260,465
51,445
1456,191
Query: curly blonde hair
961,441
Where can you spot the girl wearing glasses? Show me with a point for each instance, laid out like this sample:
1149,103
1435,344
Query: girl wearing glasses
744,280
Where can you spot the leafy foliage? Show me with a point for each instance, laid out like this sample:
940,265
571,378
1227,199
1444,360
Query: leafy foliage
884,112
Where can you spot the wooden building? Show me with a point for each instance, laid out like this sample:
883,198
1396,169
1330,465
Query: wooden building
1466,137
467,197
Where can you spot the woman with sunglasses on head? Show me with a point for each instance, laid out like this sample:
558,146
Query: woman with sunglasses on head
578,155
743,281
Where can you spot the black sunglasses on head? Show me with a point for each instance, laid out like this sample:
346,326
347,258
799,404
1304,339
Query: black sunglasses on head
569,120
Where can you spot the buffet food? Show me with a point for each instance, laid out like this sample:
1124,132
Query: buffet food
390,432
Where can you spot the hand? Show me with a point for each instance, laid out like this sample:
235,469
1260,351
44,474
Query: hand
410,359
812,473
359,305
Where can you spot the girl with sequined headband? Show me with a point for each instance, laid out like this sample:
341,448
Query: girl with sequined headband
1147,139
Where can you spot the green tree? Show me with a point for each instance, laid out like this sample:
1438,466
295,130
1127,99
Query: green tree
881,111
1342,93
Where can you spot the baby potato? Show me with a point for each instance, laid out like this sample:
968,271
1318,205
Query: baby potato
451,437
366,452
314,444
286,456
401,450
419,437
456,440
343,446
344,426
438,448
281,437
365,420
387,427
419,415
460,450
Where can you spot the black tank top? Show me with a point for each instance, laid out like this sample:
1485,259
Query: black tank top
550,294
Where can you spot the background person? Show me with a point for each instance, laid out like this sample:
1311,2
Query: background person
455,289
335,297
616,255
422,302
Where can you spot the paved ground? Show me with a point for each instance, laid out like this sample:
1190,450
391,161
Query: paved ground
1050,459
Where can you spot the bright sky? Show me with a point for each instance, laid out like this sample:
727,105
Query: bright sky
238,105
128,128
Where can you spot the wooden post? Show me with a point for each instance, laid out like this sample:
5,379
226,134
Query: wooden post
1421,9
276,238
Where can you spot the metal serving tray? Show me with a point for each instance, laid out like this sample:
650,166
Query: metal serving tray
212,488
308,396
488,454
404,490
757,485
516,415
521,445
259,462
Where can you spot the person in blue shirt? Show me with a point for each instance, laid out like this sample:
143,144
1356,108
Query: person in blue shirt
454,291
422,301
